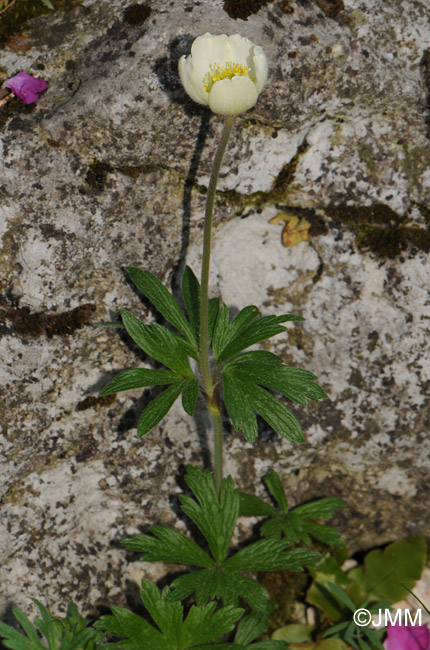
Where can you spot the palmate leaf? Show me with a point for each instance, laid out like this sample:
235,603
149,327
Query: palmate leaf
220,576
294,525
243,397
140,378
173,632
68,633
268,370
252,332
215,518
159,407
159,343
191,296
163,301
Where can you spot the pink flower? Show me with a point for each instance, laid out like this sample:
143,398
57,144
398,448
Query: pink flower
26,87
407,637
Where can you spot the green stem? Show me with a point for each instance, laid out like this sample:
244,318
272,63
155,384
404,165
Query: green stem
215,414
204,297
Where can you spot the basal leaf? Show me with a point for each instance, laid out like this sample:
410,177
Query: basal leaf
167,545
228,586
162,299
252,626
276,490
159,343
399,563
159,407
320,509
139,378
135,632
205,624
270,555
325,534
252,506
215,519
190,395
191,296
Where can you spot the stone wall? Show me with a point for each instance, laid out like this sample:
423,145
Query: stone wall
109,169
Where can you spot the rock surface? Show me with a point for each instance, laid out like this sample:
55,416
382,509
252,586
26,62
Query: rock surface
108,170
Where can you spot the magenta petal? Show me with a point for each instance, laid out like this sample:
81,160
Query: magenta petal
26,87
407,637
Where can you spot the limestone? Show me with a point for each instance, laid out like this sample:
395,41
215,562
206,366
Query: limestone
109,170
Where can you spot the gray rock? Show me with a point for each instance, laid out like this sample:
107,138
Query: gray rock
108,170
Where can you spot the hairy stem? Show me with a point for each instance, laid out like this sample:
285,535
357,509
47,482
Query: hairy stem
204,297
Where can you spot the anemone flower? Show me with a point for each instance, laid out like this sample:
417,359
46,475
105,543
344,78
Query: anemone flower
227,73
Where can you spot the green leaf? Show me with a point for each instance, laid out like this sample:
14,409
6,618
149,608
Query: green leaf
267,405
371,635
135,632
400,562
228,586
190,395
256,357
68,633
276,490
252,626
139,378
294,633
204,623
252,506
17,641
239,408
258,330
325,534
220,330
159,407
162,299
167,545
321,509
295,383
292,525
213,308
237,325
269,555
341,595
191,296
48,4
215,519
159,343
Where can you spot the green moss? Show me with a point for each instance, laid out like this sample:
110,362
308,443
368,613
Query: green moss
380,229
16,14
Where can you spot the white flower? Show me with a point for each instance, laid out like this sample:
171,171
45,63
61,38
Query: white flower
227,73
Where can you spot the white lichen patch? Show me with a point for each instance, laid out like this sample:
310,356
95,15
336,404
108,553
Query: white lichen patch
260,159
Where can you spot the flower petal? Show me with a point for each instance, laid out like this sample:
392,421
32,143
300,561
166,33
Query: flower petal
407,637
26,87
261,67
232,96
194,90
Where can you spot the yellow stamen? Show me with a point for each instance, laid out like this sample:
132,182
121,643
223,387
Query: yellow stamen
227,71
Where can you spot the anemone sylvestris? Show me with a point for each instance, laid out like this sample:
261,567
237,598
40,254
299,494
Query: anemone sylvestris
227,73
